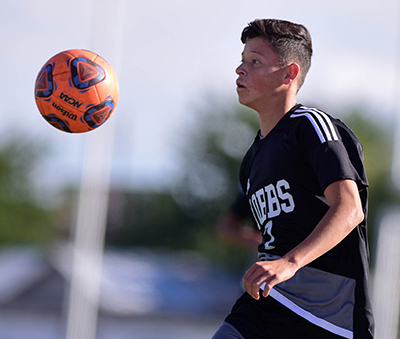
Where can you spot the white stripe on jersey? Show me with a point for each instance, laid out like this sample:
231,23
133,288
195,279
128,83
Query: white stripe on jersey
309,316
323,119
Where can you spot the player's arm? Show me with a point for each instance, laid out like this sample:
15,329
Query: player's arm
344,214
233,229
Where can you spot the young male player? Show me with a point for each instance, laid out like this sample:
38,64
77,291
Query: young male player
307,188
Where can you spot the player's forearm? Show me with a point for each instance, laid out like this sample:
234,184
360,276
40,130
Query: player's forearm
338,222
231,228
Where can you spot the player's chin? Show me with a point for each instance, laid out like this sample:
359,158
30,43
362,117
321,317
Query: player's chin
241,96
244,101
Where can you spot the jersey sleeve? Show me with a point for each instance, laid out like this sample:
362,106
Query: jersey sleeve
331,148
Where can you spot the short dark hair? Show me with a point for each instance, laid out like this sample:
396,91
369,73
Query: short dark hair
290,41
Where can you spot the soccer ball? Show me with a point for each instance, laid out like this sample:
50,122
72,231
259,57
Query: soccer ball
76,91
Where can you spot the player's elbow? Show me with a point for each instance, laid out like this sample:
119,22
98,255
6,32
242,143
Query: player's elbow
357,214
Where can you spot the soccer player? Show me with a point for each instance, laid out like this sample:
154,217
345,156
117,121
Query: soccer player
307,188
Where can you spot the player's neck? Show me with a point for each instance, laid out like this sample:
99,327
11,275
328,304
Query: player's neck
270,116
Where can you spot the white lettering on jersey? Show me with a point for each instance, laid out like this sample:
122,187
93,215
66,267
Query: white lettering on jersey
270,201
258,215
274,209
262,205
287,200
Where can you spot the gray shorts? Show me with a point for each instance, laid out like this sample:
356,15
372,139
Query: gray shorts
227,331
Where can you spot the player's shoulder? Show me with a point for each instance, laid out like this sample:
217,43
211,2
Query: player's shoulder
313,121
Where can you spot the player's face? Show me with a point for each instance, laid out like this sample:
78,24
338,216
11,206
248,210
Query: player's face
260,76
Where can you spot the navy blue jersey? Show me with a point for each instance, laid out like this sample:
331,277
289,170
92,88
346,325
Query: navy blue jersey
284,176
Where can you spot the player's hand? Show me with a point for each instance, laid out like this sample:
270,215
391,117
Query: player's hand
269,273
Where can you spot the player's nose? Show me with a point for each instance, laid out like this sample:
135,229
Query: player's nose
240,70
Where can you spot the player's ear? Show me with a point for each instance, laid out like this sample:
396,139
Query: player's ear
293,71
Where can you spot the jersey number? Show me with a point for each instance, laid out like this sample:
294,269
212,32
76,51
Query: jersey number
268,230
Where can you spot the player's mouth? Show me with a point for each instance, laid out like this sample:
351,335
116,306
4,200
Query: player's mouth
240,86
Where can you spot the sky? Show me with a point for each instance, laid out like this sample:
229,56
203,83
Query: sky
168,55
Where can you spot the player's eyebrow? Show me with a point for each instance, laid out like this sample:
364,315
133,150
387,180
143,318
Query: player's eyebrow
254,52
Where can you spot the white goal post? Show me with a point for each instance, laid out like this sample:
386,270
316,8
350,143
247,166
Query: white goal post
386,282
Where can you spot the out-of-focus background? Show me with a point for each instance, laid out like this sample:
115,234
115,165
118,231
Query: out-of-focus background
170,164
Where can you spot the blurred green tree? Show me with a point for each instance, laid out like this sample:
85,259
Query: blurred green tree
377,143
212,149
210,152
147,219
22,219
